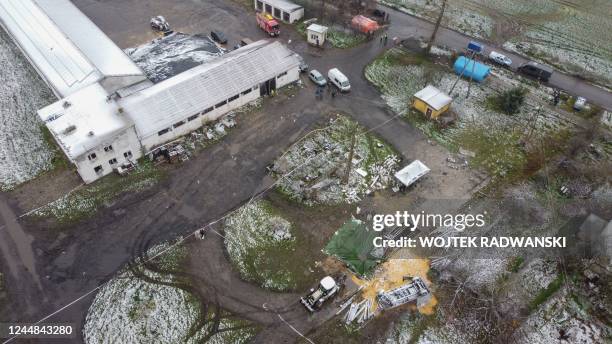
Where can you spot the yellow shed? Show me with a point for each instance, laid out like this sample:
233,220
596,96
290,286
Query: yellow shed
431,102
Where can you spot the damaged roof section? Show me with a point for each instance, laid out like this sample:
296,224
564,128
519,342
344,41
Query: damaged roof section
67,49
171,55
171,100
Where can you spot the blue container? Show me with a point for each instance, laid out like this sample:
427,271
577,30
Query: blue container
478,71
475,46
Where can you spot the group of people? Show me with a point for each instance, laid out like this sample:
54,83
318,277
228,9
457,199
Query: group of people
320,91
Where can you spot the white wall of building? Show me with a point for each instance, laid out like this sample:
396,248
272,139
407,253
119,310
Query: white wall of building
203,117
125,148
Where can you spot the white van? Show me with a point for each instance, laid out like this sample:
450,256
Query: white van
336,77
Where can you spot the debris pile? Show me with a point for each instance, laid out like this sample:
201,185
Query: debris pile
402,295
361,312
315,170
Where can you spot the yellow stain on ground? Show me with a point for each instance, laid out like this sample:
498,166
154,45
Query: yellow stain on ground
390,275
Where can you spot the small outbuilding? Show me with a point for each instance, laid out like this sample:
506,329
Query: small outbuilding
431,102
316,34
471,69
283,10
412,172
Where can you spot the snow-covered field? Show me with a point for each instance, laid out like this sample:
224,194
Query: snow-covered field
129,309
312,171
458,15
23,150
254,235
399,75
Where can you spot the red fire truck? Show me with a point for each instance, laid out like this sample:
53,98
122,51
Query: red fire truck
267,23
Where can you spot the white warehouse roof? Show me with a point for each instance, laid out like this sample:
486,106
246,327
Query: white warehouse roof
172,100
84,120
68,50
434,97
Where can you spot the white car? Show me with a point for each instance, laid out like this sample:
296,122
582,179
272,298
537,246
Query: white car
500,59
159,23
317,77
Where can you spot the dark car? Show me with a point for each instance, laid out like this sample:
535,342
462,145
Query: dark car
218,37
537,71
379,13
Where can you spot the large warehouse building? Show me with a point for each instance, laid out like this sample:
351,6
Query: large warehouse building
109,112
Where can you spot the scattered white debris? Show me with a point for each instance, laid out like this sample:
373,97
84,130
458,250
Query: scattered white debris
314,170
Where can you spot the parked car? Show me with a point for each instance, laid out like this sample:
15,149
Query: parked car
336,77
379,13
580,103
536,70
218,36
317,77
159,23
500,59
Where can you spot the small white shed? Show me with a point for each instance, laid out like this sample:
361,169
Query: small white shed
412,172
316,34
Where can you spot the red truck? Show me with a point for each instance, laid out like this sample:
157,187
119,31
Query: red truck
267,23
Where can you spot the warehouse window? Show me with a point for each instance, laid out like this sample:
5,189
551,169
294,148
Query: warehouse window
282,75
92,156
98,169
178,124
259,5
286,16
233,98
162,132
207,110
193,117
277,12
268,8
246,92
127,155
112,161
108,148
221,104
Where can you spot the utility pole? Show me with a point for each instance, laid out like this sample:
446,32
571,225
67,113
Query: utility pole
349,162
435,31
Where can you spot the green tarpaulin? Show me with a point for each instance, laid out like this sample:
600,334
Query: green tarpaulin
353,244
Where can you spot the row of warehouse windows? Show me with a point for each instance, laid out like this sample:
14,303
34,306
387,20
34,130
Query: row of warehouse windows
218,105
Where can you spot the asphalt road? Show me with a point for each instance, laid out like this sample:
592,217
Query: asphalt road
404,25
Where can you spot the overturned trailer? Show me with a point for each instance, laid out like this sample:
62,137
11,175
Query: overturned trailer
402,295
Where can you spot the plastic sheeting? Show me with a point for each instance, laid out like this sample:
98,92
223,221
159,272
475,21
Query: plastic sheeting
353,244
